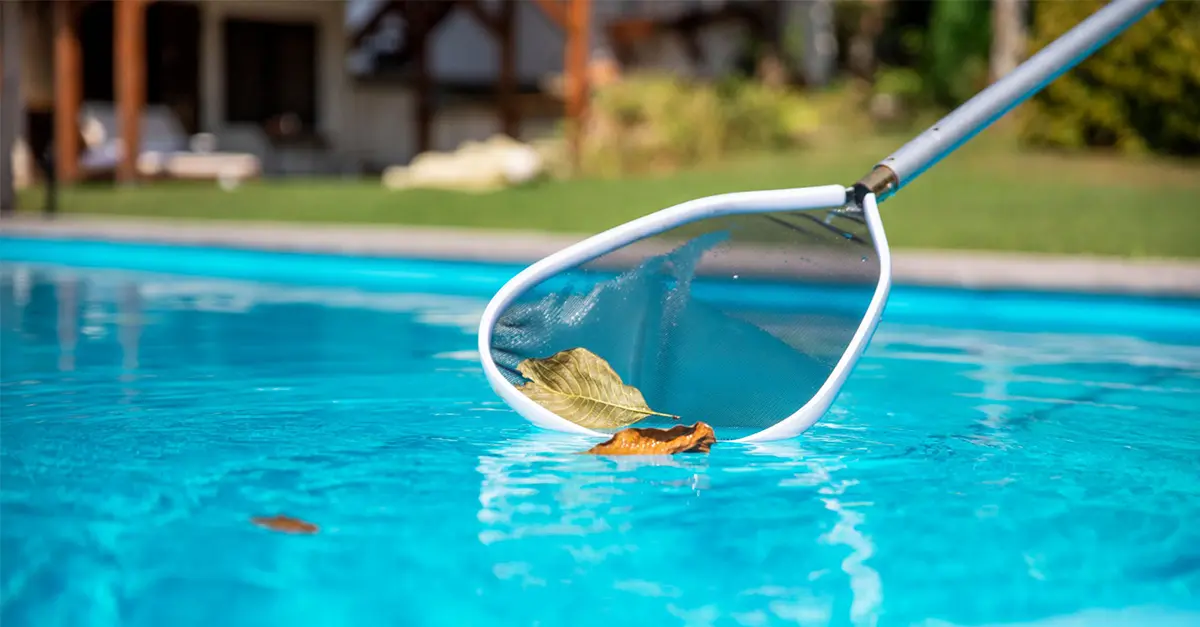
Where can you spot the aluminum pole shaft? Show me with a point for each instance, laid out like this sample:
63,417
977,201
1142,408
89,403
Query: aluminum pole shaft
952,131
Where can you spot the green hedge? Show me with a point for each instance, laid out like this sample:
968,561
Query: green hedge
656,122
956,50
1139,93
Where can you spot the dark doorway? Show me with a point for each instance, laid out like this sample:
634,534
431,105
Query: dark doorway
172,57
271,72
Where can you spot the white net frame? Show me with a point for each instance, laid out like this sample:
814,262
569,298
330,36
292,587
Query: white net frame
631,235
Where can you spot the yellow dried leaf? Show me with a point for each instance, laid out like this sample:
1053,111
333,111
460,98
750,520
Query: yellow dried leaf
580,386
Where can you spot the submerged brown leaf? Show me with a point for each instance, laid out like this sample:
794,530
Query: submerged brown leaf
286,524
580,386
697,438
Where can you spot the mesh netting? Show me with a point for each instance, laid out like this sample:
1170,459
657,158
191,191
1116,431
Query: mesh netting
736,320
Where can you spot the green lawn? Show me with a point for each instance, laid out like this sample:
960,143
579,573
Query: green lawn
986,196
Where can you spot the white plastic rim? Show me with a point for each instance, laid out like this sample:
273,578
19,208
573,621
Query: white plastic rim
800,199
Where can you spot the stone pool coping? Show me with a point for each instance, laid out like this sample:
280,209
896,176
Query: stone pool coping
978,270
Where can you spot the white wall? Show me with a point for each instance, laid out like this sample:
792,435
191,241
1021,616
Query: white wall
380,125
383,129
463,50
331,52
375,122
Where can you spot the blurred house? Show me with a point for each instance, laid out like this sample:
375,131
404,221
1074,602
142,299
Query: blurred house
337,86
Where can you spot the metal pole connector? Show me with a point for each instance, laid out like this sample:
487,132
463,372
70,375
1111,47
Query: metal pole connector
881,181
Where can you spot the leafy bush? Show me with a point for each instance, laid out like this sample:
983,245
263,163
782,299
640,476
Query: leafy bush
654,123
956,50
898,94
1141,92
932,56
757,117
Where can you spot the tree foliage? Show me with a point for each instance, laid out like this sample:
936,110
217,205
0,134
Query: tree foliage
1140,92
956,51
653,122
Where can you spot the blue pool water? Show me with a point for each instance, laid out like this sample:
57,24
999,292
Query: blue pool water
996,459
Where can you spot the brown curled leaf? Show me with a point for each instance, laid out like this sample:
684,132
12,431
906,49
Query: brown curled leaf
697,438
286,524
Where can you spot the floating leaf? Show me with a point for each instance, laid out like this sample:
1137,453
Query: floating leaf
580,386
286,524
697,438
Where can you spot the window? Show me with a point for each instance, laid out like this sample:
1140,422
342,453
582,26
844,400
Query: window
270,71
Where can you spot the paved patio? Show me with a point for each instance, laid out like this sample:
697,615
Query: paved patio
934,268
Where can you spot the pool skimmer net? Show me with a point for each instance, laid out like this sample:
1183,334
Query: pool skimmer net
747,311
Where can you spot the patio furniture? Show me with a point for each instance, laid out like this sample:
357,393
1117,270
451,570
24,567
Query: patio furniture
166,151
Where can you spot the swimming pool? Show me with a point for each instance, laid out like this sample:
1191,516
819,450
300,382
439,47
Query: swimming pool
995,459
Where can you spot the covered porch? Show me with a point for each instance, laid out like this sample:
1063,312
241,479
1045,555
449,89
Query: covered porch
431,74
272,79
226,82
256,76
519,67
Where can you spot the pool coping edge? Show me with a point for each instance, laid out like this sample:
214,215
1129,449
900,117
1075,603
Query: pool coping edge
933,268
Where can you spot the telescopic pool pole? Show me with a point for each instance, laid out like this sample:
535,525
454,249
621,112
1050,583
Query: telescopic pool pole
989,105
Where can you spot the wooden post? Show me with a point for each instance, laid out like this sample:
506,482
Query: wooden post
510,116
862,56
575,69
553,10
500,27
12,109
419,19
129,37
1008,37
68,90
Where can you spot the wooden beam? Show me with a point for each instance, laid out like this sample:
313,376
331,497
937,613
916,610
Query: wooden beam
12,105
358,36
554,10
510,114
129,37
624,34
491,23
422,17
435,12
501,27
68,90
419,27
575,70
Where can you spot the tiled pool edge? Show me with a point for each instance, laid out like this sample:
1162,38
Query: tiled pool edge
362,276
971,270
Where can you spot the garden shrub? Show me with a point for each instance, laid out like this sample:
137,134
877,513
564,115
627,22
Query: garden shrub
956,51
899,94
1140,92
658,122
